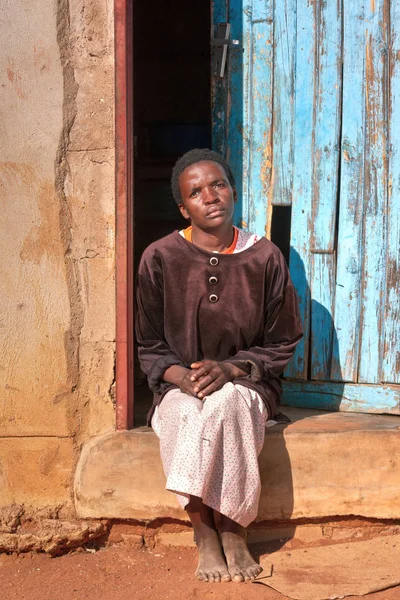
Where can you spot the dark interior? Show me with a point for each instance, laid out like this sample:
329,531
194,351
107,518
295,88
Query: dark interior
172,114
280,229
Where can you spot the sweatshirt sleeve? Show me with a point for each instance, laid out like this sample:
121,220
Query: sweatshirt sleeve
282,326
154,353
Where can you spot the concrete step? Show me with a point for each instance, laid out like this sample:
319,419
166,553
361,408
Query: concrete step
320,465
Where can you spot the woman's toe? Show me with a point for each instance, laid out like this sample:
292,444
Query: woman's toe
237,576
201,576
225,576
254,571
217,576
259,570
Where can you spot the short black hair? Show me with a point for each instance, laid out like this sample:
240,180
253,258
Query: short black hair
195,156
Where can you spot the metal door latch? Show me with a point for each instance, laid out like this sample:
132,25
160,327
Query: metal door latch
220,45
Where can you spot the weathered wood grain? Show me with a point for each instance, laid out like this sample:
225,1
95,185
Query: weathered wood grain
302,178
375,192
327,117
349,243
283,100
391,327
308,89
238,104
219,14
322,330
260,116
350,397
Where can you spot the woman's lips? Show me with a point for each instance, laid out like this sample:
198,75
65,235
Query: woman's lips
214,212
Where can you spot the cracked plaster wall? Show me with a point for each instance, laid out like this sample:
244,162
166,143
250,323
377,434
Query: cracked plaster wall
57,312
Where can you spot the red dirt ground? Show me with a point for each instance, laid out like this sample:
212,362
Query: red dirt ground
120,572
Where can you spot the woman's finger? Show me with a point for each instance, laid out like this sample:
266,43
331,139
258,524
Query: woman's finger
189,391
202,383
200,372
207,368
197,365
217,384
207,364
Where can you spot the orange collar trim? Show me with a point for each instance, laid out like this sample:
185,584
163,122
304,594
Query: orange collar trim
188,236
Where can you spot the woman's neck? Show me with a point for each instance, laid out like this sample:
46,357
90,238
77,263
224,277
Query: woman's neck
216,240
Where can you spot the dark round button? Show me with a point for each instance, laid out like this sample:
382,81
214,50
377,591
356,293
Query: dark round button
213,280
214,261
213,298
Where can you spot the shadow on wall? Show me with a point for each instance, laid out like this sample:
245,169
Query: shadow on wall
319,349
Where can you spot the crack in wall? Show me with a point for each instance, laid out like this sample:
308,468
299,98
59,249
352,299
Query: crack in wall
69,112
90,149
112,386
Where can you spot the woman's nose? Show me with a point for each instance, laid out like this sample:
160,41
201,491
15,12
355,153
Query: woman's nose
210,196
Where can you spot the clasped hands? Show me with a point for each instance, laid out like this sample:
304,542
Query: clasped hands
207,376
204,376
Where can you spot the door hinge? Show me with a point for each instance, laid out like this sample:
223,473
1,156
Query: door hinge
220,45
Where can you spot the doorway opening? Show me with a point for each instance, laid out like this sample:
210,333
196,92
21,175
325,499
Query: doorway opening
172,114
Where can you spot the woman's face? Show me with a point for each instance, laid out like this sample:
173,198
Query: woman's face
208,198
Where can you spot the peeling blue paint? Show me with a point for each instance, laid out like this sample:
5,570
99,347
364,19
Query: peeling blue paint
310,116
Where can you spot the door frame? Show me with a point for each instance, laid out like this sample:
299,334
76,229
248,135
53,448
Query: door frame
124,375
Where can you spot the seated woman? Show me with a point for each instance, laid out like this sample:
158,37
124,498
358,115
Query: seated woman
217,323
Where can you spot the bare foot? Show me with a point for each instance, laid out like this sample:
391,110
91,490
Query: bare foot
241,565
212,566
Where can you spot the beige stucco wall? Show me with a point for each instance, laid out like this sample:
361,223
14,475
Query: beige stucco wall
57,312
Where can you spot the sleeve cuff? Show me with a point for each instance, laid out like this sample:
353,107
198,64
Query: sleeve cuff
256,371
155,377
256,366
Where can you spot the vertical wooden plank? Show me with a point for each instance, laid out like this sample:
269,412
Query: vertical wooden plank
325,182
219,14
283,81
260,159
327,123
348,271
391,334
375,193
322,294
238,97
302,178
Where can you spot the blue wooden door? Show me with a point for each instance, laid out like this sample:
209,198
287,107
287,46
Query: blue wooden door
308,115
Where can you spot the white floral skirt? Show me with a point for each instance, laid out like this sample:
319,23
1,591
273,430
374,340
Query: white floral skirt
210,448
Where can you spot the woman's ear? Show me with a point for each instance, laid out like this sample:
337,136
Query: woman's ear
184,212
235,196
